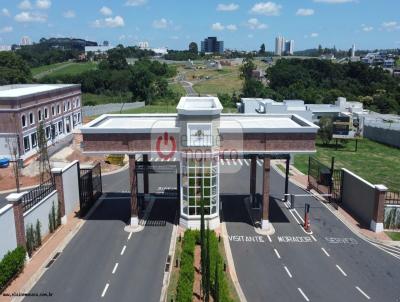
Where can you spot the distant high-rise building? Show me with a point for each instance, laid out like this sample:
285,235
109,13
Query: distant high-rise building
289,47
25,40
279,45
106,43
353,51
143,45
211,44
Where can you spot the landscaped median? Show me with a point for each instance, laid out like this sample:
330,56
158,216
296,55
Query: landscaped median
186,280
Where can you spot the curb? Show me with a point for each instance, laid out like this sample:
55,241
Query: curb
167,275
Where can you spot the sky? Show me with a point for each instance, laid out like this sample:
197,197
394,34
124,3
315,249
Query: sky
241,24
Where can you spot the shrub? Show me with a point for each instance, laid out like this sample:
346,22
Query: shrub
186,275
11,265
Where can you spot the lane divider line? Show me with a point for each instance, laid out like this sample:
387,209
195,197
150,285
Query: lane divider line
123,250
303,294
105,290
326,253
341,270
288,272
130,235
269,238
363,293
115,268
277,254
313,238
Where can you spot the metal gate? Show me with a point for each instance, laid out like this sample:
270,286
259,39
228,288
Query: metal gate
90,188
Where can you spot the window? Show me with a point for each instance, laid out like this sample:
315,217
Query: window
78,102
53,110
34,139
73,103
199,135
46,113
58,109
68,105
31,118
60,127
65,106
40,115
48,132
23,121
27,146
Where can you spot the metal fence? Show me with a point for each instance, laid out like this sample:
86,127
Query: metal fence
392,198
35,195
90,188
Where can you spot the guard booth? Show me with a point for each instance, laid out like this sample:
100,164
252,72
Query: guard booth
197,137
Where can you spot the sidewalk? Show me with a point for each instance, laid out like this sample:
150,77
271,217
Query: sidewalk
35,268
301,180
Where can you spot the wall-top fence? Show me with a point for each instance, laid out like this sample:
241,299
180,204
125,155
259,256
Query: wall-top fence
32,197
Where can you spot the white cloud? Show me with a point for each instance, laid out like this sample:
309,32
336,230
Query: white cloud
135,2
5,12
69,14
314,35
305,12
267,9
24,5
367,28
43,4
106,11
161,24
253,23
6,29
218,26
231,27
227,7
391,25
110,22
25,17
334,1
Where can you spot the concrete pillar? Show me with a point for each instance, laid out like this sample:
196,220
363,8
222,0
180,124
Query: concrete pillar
379,209
16,200
145,174
253,178
133,186
265,207
58,180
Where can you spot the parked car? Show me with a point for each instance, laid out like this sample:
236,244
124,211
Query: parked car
4,162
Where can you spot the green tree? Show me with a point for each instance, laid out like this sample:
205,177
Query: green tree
246,70
326,129
193,48
13,69
38,234
262,49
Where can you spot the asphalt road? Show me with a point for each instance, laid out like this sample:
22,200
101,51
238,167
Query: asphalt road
331,265
103,262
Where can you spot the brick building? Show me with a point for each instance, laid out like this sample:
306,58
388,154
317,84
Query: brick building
24,107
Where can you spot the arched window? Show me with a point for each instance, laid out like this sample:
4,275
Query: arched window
23,120
31,118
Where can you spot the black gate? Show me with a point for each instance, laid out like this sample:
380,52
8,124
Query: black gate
90,188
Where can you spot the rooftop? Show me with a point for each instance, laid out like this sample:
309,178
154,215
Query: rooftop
21,90
199,106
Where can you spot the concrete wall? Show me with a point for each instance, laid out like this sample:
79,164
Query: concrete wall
41,211
386,136
8,237
109,108
70,179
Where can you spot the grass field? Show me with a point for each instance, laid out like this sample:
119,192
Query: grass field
153,109
228,83
374,162
178,89
37,70
75,68
394,235
97,99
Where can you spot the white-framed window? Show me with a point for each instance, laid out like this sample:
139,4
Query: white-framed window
27,145
40,117
78,102
199,134
31,118
34,139
48,132
65,106
23,121
60,127
53,110
68,105
58,109
73,103
46,113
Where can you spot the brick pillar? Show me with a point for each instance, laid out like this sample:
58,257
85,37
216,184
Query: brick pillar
16,200
146,174
58,181
265,207
253,178
133,185
379,209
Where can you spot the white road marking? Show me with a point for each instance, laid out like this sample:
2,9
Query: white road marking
123,250
105,290
294,216
115,268
363,293
259,162
326,253
288,272
240,162
301,218
222,162
341,270
313,238
246,161
277,254
228,162
234,162
130,235
157,159
303,294
269,238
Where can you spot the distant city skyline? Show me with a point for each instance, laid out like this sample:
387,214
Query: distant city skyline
242,25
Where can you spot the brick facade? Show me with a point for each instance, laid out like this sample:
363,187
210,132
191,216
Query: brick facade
19,222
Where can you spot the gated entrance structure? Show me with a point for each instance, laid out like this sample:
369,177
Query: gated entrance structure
198,136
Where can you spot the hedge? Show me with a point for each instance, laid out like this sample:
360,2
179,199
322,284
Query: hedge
184,290
11,265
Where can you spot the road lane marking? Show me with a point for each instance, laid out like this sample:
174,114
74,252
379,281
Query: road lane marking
105,290
341,270
288,272
339,240
123,250
363,293
294,239
228,162
240,162
115,268
269,238
277,254
222,162
130,235
294,216
303,294
259,163
326,253
246,162
247,239
313,238
234,162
